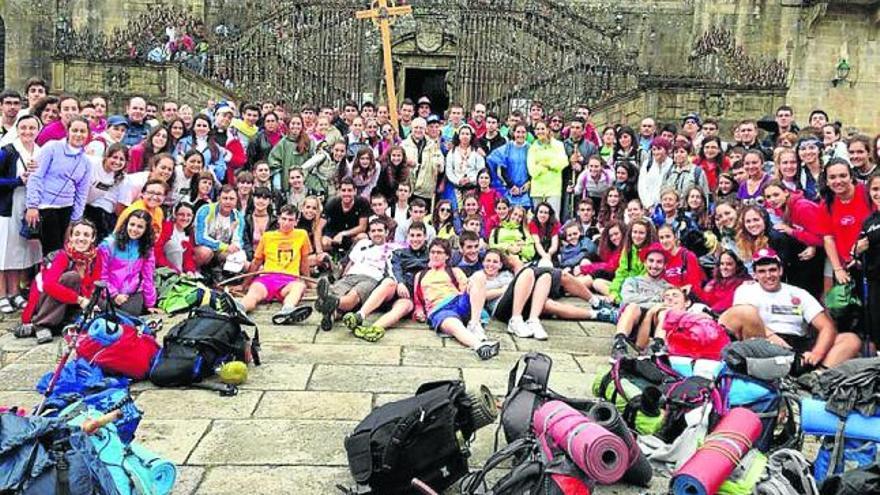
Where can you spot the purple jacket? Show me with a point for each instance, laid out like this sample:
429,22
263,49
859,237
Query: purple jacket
62,179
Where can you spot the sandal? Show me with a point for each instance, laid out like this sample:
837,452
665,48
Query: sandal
371,333
23,331
292,315
19,302
6,306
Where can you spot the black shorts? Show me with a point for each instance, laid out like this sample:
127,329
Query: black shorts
798,344
504,308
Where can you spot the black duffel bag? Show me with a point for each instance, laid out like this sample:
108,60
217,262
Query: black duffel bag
195,347
425,437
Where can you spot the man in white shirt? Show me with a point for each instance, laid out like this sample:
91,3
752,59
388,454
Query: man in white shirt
783,314
369,261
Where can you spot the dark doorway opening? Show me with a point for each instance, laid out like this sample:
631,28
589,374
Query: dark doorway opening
430,83
3,55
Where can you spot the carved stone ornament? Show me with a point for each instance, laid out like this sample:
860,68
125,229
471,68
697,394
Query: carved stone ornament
429,38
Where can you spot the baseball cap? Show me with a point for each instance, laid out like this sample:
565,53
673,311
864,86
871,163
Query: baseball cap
693,116
115,120
424,100
766,255
433,119
653,248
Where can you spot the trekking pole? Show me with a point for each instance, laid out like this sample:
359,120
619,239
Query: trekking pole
71,345
866,310
90,426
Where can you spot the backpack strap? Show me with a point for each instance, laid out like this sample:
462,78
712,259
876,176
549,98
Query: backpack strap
476,482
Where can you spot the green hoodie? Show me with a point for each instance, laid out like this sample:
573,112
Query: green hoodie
630,266
509,232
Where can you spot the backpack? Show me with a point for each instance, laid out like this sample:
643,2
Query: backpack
195,347
788,473
768,407
694,336
836,457
425,437
181,294
636,385
683,396
531,472
862,480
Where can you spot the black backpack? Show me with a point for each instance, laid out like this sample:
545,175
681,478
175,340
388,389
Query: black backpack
425,437
195,347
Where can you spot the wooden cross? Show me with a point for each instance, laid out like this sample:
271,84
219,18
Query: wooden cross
382,14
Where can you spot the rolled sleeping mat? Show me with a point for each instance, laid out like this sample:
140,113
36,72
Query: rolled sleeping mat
600,454
639,471
816,420
715,460
150,470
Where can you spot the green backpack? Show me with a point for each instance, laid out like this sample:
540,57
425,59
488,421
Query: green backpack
178,294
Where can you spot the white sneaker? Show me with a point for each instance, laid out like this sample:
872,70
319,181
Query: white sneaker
518,327
537,329
476,328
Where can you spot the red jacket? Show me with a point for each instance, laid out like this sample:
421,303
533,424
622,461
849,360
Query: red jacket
607,265
683,269
803,218
48,281
719,296
189,262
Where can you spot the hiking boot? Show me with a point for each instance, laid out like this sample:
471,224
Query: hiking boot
657,346
352,320
326,304
43,335
290,316
518,327
476,328
537,329
619,347
487,349
372,333
23,331
606,314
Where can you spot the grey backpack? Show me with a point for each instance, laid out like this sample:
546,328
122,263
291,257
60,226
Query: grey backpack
788,473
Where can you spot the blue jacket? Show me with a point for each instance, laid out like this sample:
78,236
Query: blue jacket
204,216
216,164
509,163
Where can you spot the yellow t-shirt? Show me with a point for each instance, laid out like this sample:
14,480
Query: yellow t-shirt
283,253
156,214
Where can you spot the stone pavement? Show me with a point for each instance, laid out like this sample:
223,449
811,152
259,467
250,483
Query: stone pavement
284,432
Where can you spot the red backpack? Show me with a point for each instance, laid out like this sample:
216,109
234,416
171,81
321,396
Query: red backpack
694,335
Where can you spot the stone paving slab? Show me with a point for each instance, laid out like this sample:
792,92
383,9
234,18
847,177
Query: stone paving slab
331,353
351,406
400,379
188,480
22,375
274,375
274,441
420,356
24,399
395,336
573,345
574,384
273,480
197,404
174,438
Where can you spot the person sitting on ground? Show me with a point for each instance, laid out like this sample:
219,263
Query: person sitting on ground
397,290
535,292
441,299
260,220
729,274
640,234
417,211
219,229
485,289
174,248
640,296
129,265
151,202
512,237
63,286
783,314
369,261
344,217
281,256
470,256
574,247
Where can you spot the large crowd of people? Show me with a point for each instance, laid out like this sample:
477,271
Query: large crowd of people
449,219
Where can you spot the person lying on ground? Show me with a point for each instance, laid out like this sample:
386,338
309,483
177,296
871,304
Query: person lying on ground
369,261
651,327
282,255
441,299
535,292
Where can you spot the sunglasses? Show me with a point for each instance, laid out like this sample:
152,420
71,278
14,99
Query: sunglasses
445,210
